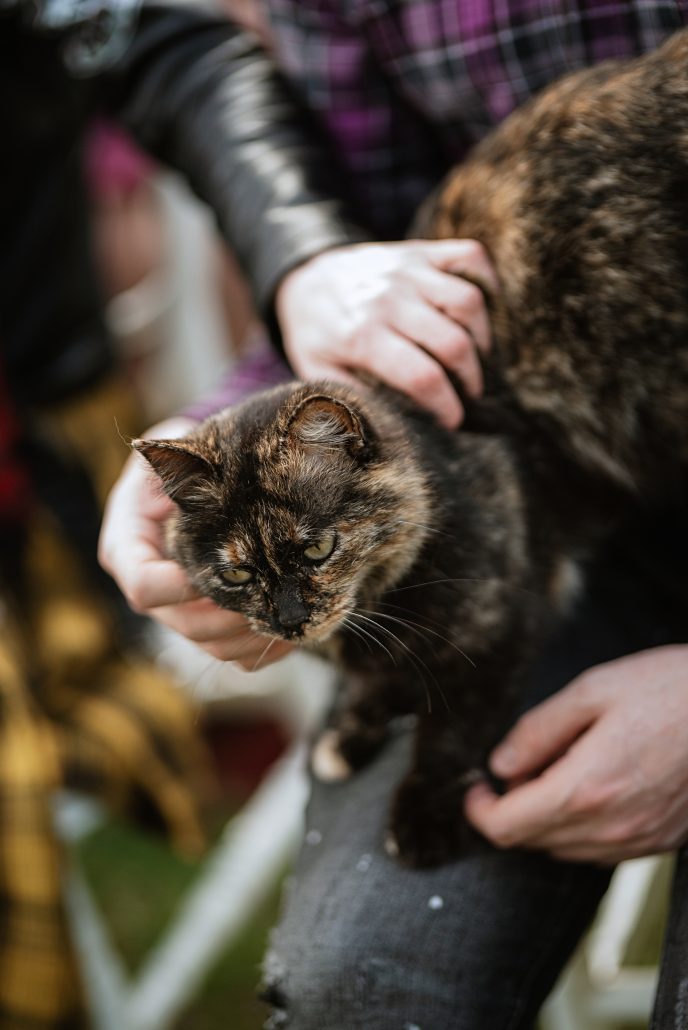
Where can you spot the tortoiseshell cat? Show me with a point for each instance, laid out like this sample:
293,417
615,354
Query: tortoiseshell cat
349,520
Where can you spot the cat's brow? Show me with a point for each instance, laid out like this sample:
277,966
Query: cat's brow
236,551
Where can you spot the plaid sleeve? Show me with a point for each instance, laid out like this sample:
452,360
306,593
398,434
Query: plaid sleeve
388,152
259,369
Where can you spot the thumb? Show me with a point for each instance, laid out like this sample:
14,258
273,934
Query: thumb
544,732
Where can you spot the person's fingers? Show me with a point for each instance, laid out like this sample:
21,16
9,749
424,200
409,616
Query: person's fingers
223,634
202,621
407,367
545,731
460,257
149,581
463,301
250,651
441,336
524,813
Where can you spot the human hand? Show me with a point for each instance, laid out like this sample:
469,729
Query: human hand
131,550
398,310
599,771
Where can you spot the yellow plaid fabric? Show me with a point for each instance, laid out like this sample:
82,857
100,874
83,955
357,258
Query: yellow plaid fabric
76,712
38,978
115,728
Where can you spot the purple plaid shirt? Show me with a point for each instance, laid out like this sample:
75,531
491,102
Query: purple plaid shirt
405,87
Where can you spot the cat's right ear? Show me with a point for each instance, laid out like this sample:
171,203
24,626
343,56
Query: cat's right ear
327,423
184,474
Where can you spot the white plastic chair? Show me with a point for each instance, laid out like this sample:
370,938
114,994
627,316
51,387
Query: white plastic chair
598,991
238,875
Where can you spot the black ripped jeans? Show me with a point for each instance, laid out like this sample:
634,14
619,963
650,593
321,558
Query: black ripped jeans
365,944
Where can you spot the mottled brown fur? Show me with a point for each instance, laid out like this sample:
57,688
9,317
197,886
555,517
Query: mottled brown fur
456,551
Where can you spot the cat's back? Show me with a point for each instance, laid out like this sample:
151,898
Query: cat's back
581,199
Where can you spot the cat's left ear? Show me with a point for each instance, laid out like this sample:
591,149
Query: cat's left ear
185,474
328,423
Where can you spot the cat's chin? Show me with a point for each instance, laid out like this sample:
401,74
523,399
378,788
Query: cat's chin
321,633
315,637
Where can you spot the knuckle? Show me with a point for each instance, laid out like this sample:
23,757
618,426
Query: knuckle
458,345
527,731
501,837
427,380
585,689
475,251
579,802
618,832
588,798
193,633
472,300
216,650
362,342
137,597
385,307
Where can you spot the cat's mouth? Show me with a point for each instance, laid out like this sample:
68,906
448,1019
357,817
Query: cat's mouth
310,631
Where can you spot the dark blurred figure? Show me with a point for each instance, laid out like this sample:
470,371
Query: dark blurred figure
76,708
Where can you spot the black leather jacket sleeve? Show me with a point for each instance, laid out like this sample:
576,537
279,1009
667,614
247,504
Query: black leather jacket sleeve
203,96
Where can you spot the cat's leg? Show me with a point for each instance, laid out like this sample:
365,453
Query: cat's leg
359,726
427,826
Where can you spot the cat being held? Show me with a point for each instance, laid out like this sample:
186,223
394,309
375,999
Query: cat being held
431,564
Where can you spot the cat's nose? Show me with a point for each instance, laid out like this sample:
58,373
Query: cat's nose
293,619
291,611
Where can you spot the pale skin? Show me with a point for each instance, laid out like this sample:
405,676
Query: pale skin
402,311
599,772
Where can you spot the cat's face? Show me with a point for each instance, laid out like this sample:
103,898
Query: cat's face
288,515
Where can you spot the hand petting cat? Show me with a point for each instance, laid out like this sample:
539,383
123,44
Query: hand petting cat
398,310
131,550
401,311
599,772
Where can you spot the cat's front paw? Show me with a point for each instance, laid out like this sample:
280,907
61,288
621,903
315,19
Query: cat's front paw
327,761
342,749
427,826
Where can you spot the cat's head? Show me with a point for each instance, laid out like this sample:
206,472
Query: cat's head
294,508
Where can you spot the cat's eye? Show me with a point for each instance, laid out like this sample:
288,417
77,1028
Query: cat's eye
322,548
237,577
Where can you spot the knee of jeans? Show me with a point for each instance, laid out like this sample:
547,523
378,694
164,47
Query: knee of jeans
305,986
337,987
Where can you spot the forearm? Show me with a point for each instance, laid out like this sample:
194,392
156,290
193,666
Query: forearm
203,97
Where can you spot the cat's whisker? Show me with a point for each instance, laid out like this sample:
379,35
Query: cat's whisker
428,529
420,632
355,630
432,583
264,653
425,629
463,580
367,633
415,659
411,611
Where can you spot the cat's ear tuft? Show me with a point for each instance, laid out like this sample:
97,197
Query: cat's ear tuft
328,423
183,472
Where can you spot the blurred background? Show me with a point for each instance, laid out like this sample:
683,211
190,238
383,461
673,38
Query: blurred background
169,896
